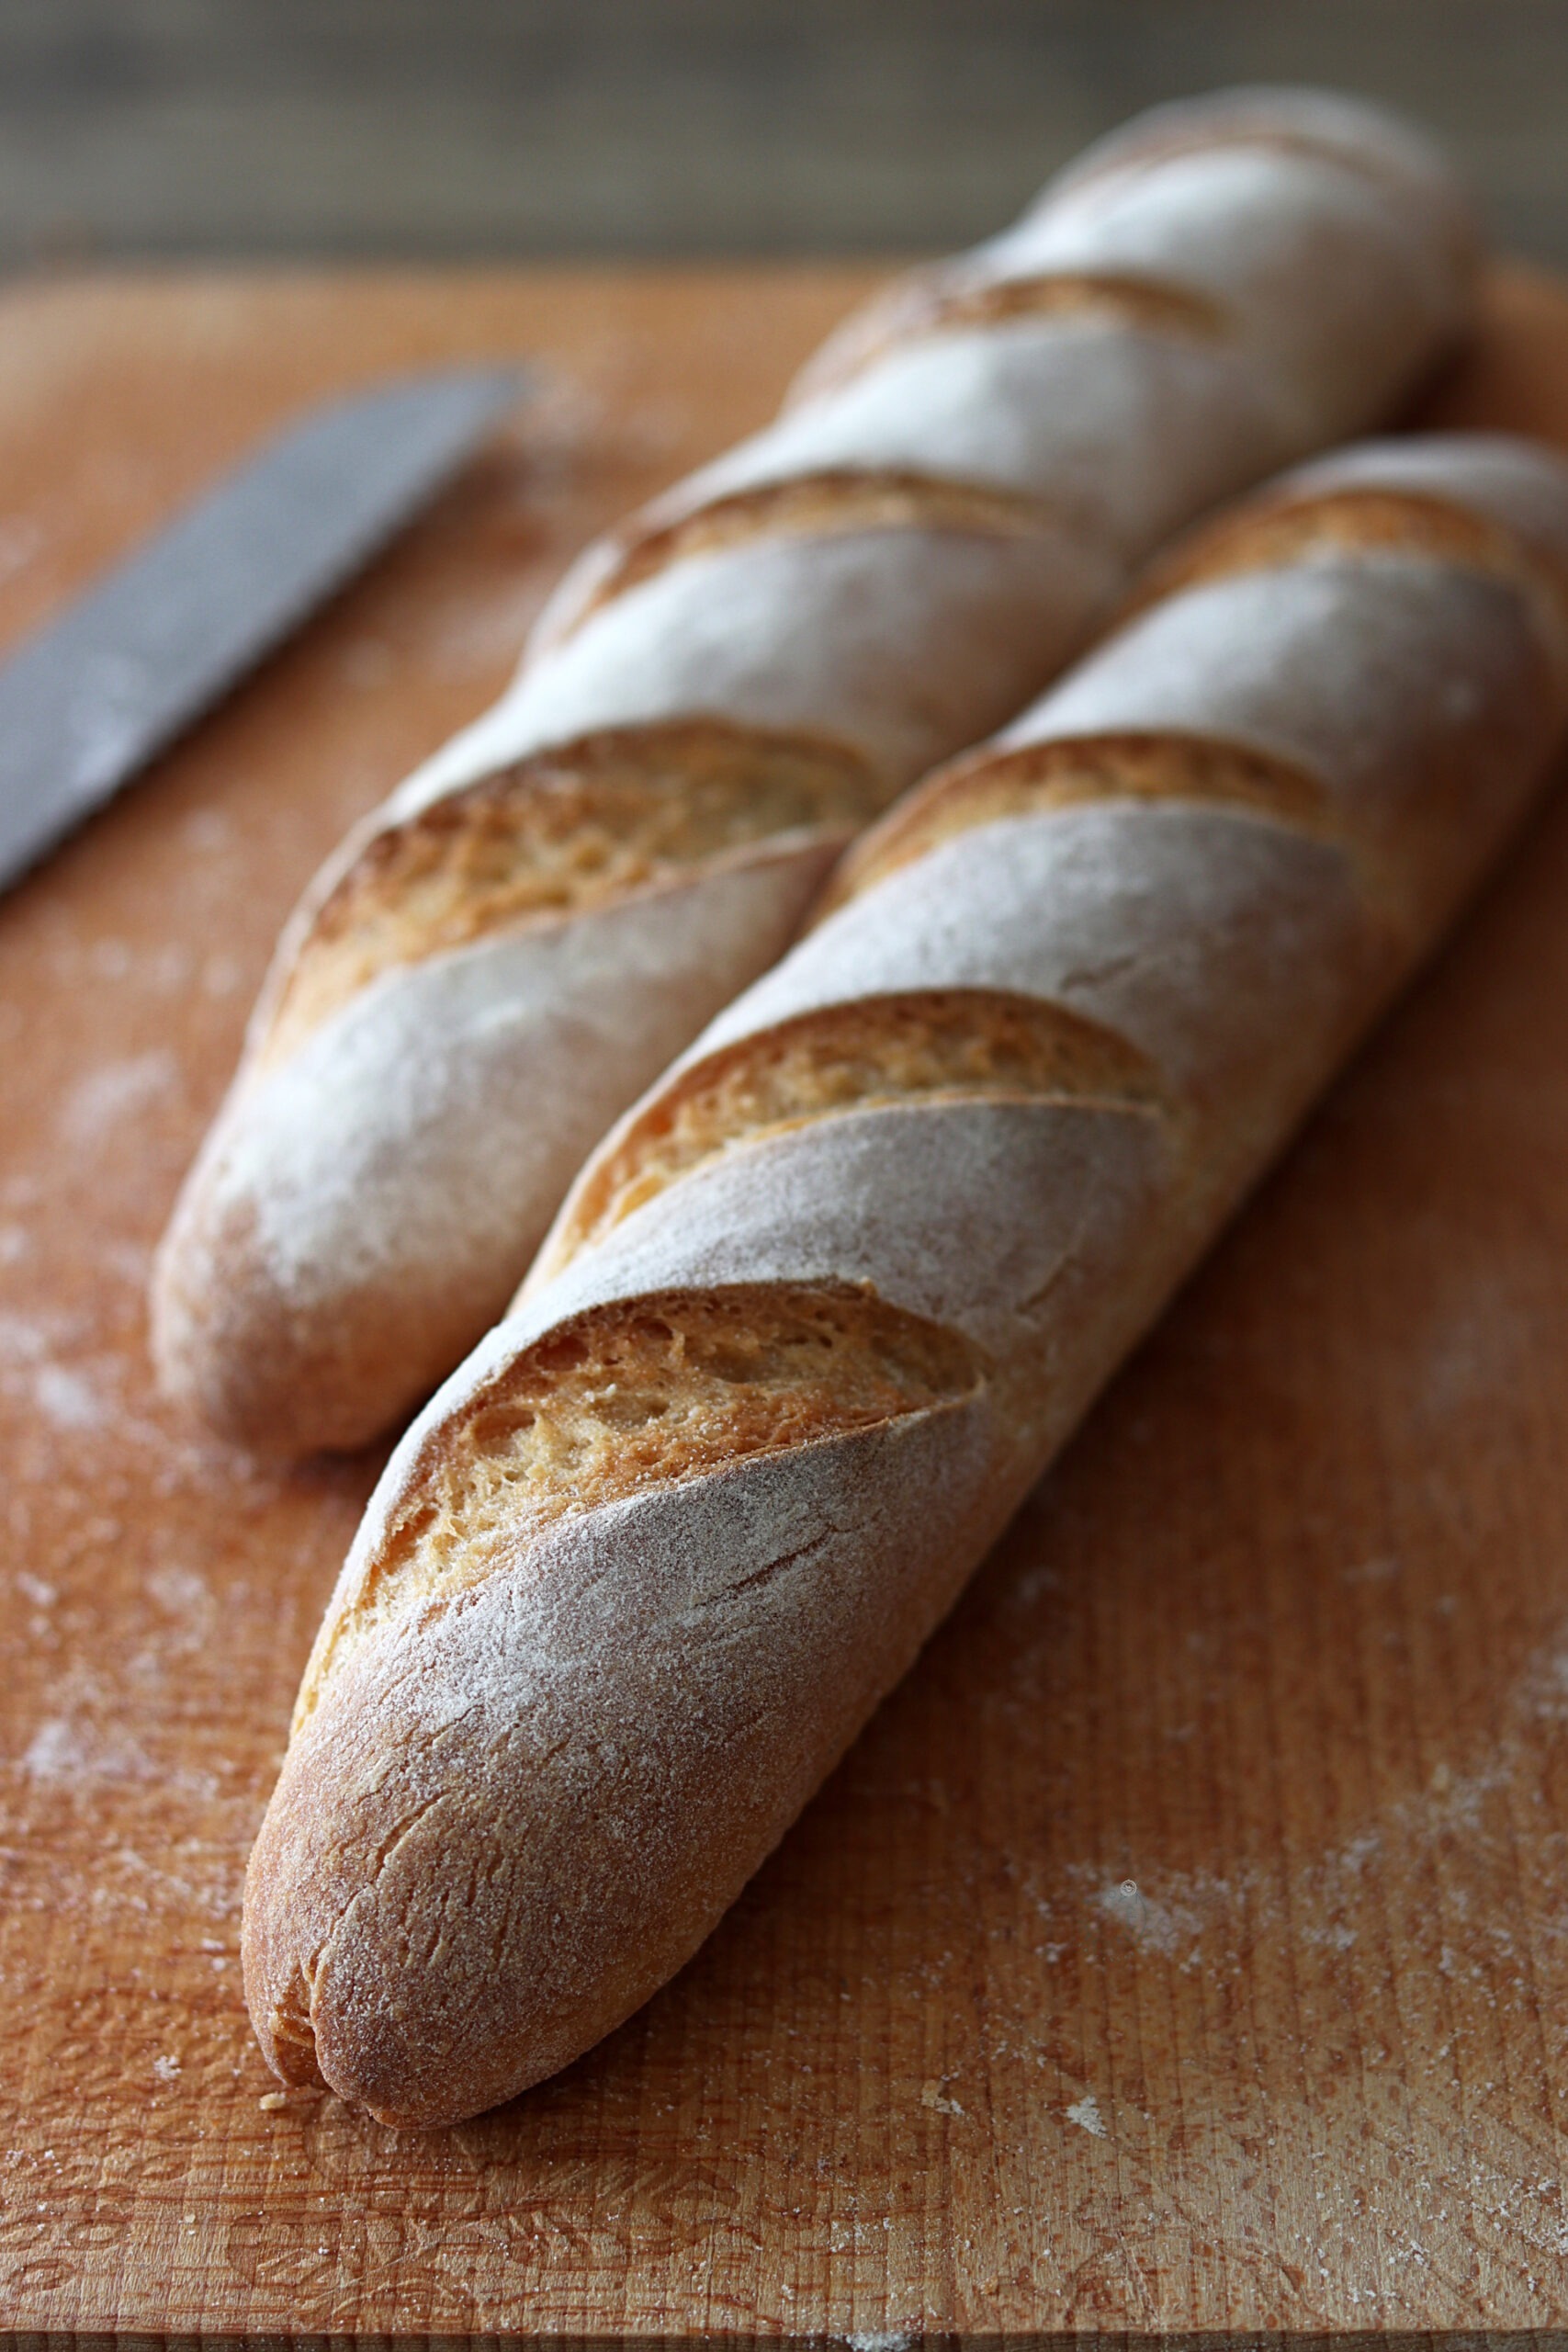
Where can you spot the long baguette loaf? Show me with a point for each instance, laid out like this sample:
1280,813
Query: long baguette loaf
824,1303
720,694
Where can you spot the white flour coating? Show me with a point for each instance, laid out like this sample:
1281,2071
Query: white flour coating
187,1595
1367,159
668,1646
1434,676
1492,474
1461,1820
888,1196
1199,933
400,1151
1426,656
885,1197
1330,122
1337,286
1110,427
1085,2112
817,635
86,1396
1274,277
367,1134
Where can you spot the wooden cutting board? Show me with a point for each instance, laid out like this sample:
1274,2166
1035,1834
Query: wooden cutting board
1184,1947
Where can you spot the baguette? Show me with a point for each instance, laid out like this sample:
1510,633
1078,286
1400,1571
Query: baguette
720,694
824,1303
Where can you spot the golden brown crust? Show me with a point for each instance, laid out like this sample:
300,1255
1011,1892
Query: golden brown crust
1270,533
814,506
917,1047
556,836
992,783
943,299
430,1932
631,1397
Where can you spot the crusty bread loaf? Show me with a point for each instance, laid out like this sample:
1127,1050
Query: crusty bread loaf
823,1305
723,692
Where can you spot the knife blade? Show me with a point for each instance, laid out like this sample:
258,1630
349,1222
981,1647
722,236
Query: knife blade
91,697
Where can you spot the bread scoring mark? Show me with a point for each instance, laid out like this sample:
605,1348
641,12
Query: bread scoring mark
1379,170
929,1044
826,504
984,786
949,298
1272,533
640,1394
558,834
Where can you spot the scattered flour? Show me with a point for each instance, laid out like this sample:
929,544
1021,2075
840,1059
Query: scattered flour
115,1093
67,1399
1157,1927
28,1366
21,1341
223,976
64,1751
209,831
1085,2112
182,1592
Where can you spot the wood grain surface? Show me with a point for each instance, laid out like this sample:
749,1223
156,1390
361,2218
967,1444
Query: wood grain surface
1185,1946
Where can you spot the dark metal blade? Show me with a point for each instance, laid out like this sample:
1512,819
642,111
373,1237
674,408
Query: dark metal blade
88,699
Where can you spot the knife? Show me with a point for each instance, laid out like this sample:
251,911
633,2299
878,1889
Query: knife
89,698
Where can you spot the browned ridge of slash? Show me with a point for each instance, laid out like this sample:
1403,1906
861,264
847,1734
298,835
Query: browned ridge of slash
943,300
982,787
1382,170
561,833
639,1394
929,1044
824,505
1272,533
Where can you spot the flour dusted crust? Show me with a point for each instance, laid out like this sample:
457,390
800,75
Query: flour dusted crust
827,1299
305,1181
671,1647
956,495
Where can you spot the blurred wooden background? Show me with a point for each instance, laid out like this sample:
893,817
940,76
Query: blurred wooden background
446,129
